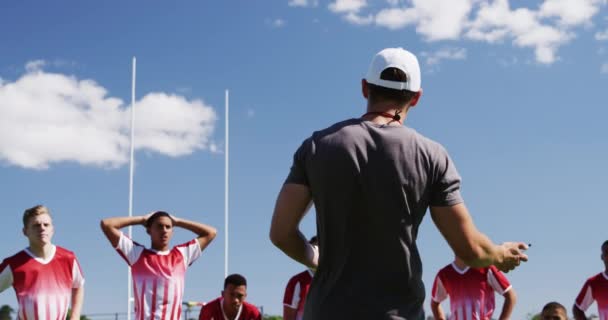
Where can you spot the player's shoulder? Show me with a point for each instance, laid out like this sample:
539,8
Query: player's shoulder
185,244
250,308
16,258
303,276
600,277
64,253
449,268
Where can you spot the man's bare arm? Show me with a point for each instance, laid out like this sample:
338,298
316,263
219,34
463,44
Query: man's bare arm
472,246
292,204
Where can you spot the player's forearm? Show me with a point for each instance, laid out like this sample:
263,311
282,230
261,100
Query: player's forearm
578,313
437,311
205,233
483,252
77,300
508,305
202,230
121,222
289,313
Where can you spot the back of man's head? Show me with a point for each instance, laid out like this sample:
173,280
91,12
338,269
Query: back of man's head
235,280
393,75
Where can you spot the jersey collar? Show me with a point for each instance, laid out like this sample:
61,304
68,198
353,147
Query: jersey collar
463,271
238,314
41,260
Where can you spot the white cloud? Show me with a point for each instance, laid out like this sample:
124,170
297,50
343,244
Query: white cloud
303,3
496,21
440,19
544,28
570,12
604,68
601,35
47,118
396,18
435,58
435,19
359,20
34,65
345,6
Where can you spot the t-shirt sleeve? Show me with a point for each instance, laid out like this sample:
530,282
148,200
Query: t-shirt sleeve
297,174
498,281
585,297
291,298
128,249
191,251
446,180
77,276
438,293
6,276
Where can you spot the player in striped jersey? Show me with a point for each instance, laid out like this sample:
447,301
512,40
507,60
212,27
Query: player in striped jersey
158,272
297,290
46,277
471,292
594,289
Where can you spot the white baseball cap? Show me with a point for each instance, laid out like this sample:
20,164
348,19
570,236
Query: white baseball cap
395,58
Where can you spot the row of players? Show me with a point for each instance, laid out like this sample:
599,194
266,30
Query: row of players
48,279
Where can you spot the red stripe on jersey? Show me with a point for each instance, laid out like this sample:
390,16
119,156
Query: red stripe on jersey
136,298
36,310
165,299
153,307
174,299
180,292
22,310
142,302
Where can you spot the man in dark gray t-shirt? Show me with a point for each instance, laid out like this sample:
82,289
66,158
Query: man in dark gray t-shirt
371,180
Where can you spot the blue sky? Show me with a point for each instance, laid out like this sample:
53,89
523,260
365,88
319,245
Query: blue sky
515,90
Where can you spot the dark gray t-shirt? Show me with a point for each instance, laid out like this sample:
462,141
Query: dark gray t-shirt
371,186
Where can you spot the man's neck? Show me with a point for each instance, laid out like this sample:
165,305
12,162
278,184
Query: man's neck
385,107
159,247
41,251
460,264
230,314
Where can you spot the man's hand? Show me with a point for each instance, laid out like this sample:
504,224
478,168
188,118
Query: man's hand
512,255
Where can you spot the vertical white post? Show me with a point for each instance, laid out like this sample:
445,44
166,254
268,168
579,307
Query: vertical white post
226,192
130,288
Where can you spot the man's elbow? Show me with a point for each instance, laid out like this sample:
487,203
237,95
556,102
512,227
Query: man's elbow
277,237
212,233
105,226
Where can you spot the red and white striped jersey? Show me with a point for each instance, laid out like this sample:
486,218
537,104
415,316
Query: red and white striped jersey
595,289
158,277
471,291
296,291
43,287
